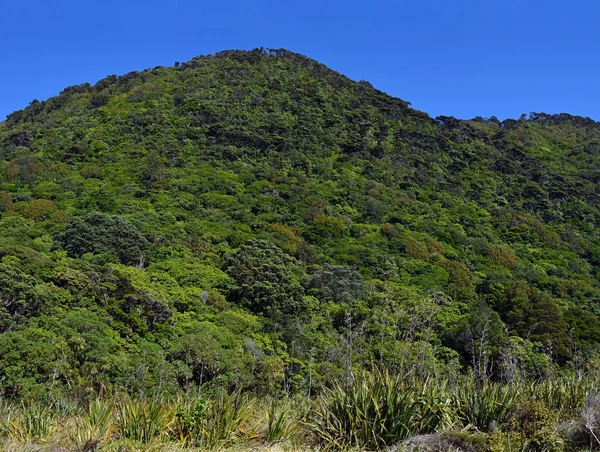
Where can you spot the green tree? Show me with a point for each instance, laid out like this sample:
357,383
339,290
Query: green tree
340,284
23,297
267,280
97,233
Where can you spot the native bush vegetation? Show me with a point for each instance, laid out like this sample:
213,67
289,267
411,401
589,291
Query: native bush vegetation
375,410
255,223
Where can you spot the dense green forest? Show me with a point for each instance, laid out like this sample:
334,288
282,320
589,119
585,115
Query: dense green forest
257,223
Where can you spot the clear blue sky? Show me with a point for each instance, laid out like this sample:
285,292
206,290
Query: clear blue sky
461,58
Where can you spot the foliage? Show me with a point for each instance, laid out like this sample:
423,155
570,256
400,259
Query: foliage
28,423
97,233
486,407
94,426
214,423
372,411
377,411
265,279
258,223
141,421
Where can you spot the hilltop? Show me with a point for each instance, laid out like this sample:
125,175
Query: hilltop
259,221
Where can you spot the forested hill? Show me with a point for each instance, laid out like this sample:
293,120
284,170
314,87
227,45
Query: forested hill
257,220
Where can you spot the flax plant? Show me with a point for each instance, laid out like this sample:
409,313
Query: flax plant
378,410
485,406
214,423
25,423
142,421
94,426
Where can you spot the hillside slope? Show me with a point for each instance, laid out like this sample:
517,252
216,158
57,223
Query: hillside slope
255,219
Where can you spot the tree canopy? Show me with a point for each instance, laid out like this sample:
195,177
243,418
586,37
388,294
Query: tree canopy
257,220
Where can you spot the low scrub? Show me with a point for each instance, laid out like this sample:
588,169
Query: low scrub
378,410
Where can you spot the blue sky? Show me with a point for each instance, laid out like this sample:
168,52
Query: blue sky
460,58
